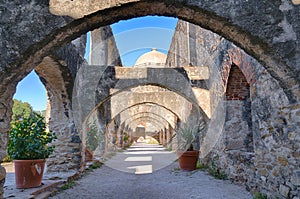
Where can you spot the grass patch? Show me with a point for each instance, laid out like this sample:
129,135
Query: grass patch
258,195
68,185
96,165
176,169
217,174
213,171
201,166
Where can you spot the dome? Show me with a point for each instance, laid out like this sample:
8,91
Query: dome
153,58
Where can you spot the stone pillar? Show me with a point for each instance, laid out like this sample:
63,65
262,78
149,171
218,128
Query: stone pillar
174,140
164,137
120,137
67,153
160,137
103,49
168,137
111,137
6,103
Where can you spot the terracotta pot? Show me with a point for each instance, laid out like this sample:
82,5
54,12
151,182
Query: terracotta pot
89,157
29,173
188,159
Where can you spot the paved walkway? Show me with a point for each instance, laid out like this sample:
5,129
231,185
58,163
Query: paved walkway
148,172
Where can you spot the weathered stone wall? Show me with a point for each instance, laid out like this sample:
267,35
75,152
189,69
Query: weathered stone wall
275,23
103,49
168,99
29,33
58,82
258,146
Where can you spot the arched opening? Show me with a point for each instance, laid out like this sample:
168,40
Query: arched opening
238,112
279,75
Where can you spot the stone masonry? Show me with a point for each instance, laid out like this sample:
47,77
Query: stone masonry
258,144
250,48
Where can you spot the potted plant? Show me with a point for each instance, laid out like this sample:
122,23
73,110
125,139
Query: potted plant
187,156
92,141
28,147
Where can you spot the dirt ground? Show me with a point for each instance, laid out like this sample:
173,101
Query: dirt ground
149,181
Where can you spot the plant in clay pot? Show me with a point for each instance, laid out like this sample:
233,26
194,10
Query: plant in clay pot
28,147
92,141
187,156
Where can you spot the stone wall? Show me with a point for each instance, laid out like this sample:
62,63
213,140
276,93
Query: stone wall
267,30
258,146
242,26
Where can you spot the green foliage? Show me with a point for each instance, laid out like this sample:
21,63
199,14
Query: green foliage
21,110
93,137
258,195
43,113
217,174
7,159
201,166
125,136
185,137
214,171
68,185
96,165
28,138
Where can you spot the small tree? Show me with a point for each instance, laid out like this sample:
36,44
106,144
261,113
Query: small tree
20,110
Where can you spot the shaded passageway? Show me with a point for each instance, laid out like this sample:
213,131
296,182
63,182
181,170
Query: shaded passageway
142,158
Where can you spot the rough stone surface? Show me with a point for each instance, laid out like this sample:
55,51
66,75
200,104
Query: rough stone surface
266,30
2,180
257,146
284,190
104,51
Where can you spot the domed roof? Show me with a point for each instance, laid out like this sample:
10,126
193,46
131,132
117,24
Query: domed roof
152,58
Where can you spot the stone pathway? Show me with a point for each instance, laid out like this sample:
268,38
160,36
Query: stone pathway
50,180
148,171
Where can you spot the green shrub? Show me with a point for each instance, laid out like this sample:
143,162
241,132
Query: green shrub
28,138
201,166
7,159
258,195
93,137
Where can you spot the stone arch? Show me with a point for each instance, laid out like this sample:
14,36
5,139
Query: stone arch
121,78
140,119
147,115
149,98
58,82
171,123
151,104
238,125
243,31
117,100
256,46
145,108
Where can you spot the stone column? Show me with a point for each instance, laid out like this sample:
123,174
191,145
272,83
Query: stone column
168,137
6,103
174,140
160,137
164,137
103,49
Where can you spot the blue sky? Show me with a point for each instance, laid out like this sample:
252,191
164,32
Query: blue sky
134,37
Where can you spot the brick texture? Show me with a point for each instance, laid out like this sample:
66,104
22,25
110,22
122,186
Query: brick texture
237,87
